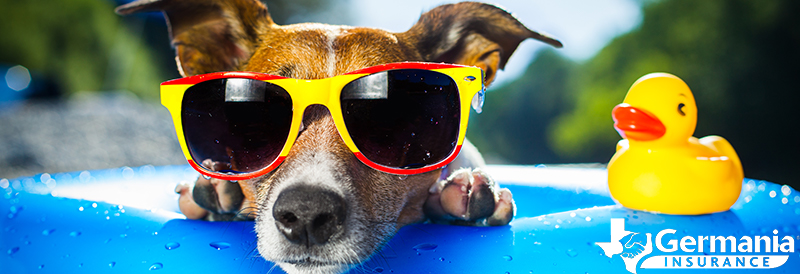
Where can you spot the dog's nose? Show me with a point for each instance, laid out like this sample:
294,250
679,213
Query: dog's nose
309,215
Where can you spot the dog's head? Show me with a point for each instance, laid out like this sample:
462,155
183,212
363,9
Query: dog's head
323,210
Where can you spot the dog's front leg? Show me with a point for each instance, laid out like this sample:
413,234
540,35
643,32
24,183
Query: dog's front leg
467,195
214,199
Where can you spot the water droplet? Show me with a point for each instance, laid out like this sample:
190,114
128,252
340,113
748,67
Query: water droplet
588,219
75,233
786,190
94,205
41,266
441,259
572,253
47,232
123,235
13,250
785,200
80,265
220,245
84,176
127,173
172,245
508,272
772,194
112,264
156,266
80,209
378,269
402,177
572,214
425,247
508,258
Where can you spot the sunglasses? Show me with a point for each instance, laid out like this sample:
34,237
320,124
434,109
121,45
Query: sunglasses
400,118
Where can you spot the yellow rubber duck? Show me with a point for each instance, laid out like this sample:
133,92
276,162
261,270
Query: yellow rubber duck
659,167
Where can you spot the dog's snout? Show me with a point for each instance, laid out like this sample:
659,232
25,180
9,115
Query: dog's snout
309,215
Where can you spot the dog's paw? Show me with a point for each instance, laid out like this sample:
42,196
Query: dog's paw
212,199
469,197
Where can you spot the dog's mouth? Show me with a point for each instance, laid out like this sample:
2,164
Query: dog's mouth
309,262
312,265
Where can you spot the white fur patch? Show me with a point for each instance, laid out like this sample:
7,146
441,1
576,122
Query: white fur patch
331,64
316,168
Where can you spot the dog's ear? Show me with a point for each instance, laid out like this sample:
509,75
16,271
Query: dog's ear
209,35
470,33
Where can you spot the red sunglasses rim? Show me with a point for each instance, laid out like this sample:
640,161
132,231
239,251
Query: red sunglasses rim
191,80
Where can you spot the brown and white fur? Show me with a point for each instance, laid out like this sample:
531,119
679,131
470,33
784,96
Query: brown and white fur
322,210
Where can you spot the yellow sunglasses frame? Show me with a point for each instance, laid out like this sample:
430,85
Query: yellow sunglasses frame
468,79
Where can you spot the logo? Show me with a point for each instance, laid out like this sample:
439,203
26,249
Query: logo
623,243
745,252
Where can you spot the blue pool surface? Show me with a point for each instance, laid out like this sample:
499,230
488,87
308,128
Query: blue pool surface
126,220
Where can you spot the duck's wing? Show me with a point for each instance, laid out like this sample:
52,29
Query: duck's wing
724,148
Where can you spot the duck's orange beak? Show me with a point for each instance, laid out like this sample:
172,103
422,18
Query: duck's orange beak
637,124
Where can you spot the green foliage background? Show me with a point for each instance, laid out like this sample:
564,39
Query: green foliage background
740,58
80,44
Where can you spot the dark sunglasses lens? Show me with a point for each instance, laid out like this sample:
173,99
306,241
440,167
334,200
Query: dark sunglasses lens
240,123
405,118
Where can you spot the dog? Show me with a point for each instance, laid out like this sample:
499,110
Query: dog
320,176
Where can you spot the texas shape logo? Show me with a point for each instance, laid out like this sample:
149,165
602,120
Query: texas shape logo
630,246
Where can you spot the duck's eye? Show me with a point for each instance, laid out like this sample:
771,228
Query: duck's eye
680,109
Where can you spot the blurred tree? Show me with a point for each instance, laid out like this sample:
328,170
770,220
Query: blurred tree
83,46
511,127
739,57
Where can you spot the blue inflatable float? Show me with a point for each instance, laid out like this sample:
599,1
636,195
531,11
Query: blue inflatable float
126,220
